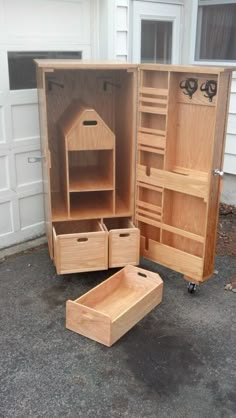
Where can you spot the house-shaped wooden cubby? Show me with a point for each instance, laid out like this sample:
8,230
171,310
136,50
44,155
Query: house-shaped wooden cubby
88,162
169,124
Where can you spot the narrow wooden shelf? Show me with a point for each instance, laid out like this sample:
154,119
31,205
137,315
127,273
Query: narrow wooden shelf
88,179
153,91
152,109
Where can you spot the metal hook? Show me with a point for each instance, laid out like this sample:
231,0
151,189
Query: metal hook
190,85
210,87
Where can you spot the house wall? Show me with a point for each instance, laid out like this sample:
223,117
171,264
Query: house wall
190,25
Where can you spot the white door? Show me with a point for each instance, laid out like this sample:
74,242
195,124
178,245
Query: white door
156,32
27,28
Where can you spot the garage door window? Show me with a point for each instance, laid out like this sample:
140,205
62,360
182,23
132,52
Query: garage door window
22,74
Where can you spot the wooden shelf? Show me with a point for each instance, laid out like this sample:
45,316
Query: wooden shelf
89,179
86,205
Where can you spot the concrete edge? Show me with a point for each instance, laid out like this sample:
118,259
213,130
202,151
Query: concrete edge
22,247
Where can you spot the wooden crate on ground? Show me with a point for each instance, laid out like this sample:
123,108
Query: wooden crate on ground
112,308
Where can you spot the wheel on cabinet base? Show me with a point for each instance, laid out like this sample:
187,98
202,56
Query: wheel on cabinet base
192,287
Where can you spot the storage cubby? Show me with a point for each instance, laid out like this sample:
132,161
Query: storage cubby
91,170
183,244
155,79
192,219
91,204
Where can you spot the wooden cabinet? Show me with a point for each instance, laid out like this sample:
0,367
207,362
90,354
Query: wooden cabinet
126,143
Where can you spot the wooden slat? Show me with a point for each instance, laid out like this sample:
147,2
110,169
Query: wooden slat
185,184
151,149
149,206
152,131
150,186
149,214
152,140
154,92
177,260
152,100
155,110
183,233
148,220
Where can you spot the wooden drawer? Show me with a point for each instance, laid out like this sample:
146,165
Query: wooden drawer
109,310
80,246
124,242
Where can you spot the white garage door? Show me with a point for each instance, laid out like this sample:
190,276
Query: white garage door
29,25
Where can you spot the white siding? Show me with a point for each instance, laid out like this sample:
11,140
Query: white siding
44,25
230,148
122,30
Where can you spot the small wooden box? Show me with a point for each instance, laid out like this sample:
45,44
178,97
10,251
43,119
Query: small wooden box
124,242
80,246
109,310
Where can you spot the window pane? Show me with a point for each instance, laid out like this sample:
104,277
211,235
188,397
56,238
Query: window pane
156,41
216,33
22,74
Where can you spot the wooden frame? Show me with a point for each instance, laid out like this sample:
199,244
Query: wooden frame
173,195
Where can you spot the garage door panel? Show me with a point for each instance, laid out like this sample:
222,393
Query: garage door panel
25,121
4,173
27,173
2,133
31,210
6,218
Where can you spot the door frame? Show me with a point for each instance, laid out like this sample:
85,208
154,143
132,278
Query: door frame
159,12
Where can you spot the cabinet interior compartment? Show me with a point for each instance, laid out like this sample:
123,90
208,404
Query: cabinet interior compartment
148,232
150,159
91,170
91,204
154,79
185,212
182,243
190,130
100,179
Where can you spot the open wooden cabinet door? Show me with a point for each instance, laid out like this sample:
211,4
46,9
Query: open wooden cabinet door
46,158
182,119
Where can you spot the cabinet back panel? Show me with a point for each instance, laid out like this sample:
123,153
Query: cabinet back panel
183,244
184,212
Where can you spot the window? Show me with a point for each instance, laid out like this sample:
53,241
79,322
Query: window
22,74
156,41
216,31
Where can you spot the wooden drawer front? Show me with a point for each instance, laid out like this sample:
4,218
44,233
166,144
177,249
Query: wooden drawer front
109,310
81,252
124,247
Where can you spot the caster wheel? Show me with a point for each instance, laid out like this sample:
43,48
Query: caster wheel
192,287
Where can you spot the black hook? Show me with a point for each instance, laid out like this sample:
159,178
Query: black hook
210,87
55,83
190,85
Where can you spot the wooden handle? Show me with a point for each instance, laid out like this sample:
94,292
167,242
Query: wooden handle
142,274
124,235
82,239
90,122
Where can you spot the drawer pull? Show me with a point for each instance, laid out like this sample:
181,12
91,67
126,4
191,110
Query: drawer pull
124,235
90,123
82,239
142,274
148,171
